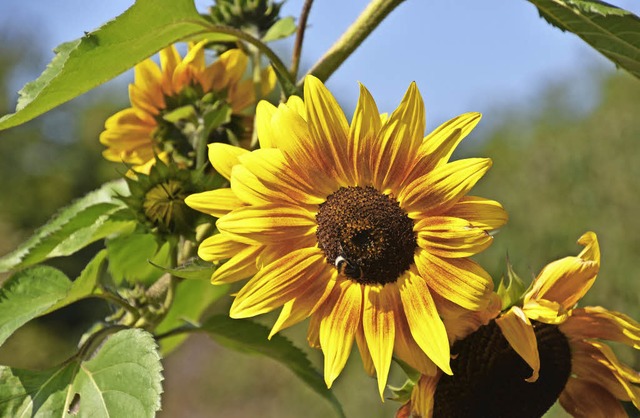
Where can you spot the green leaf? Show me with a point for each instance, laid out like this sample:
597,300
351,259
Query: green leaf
80,65
28,294
86,220
86,283
130,258
281,29
191,300
249,337
614,32
121,380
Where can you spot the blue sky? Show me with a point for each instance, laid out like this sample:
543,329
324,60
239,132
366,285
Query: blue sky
465,55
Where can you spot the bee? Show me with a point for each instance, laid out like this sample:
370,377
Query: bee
346,267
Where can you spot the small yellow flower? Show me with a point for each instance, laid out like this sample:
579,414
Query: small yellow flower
557,352
138,134
364,227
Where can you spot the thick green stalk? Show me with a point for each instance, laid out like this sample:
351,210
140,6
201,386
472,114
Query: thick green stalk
368,20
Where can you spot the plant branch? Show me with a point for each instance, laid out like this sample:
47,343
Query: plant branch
368,20
297,47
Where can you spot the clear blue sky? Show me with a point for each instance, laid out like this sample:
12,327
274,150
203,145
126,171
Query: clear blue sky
465,55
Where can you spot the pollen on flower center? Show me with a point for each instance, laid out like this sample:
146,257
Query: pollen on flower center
365,235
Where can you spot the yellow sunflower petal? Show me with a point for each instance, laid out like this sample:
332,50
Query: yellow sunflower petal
140,100
518,331
216,202
422,316
545,311
437,191
407,349
441,143
482,213
423,396
365,126
264,115
567,280
224,156
190,68
169,60
241,95
219,247
148,78
459,280
278,282
328,127
380,305
240,266
365,354
296,104
450,237
305,304
597,322
339,324
588,400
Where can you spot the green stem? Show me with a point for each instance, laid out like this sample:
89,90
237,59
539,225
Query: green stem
297,47
116,300
368,20
183,329
201,143
287,82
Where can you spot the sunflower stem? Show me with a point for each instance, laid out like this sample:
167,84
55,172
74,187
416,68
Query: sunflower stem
368,20
200,138
297,47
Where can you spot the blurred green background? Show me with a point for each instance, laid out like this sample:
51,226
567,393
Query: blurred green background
557,170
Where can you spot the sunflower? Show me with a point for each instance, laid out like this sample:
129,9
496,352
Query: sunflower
540,350
141,133
364,227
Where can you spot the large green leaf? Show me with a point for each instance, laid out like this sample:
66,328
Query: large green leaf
133,258
612,31
28,294
249,337
191,299
121,380
86,220
82,64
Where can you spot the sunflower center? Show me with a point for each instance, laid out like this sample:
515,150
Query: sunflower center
365,235
489,376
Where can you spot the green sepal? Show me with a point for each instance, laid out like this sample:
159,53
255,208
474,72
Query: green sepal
193,269
511,288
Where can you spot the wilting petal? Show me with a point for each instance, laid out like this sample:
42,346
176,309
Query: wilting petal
460,280
216,202
567,280
422,316
437,191
379,307
451,237
423,396
545,311
597,322
588,400
518,331
277,283
341,316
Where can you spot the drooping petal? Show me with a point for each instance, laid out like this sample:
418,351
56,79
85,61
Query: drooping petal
339,324
588,400
224,156
518,331
567,280
216,202
450,237
270,223
422,316
438,190
278,282
459,280
423,396
597,322
482,213
379,307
